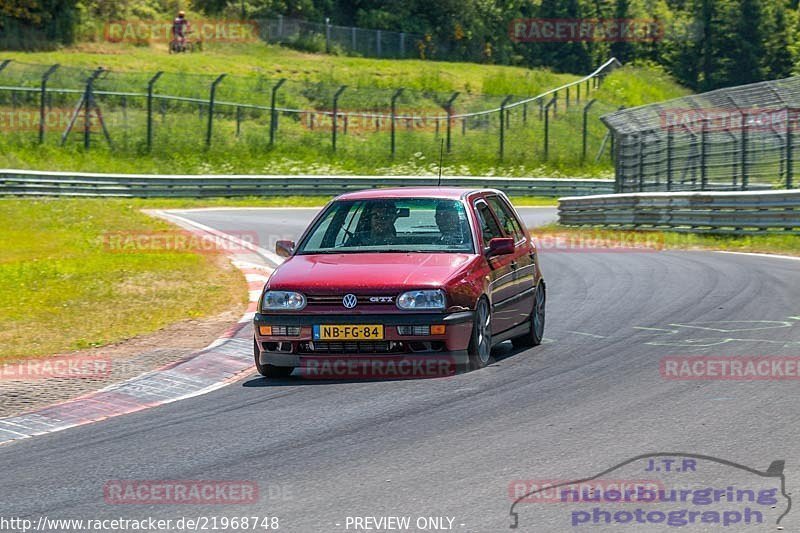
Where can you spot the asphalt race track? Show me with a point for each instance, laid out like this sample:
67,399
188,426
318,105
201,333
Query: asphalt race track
588,399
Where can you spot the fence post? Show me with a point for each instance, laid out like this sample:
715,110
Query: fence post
555,103
88,97
273,114
541,108
402,44
503,124
393,126
335,114
670,148
327,35
353,40
525,113
586,126
640,145
448,107
566,104
43,101
789,149
150,85
378,42
547,127
238,120
703,155
211,98
745,178
578,90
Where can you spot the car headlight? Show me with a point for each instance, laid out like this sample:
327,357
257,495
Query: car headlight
282,301
428,299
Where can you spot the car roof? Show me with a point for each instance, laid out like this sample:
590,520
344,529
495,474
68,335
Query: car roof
454,193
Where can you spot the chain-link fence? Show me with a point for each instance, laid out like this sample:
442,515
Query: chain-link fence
736,138
326,37
129,112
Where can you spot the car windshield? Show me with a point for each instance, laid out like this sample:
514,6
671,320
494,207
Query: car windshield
390,225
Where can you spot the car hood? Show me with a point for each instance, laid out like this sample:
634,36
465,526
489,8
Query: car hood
333,273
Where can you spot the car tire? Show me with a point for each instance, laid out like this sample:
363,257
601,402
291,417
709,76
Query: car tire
536,334
480,344
270,371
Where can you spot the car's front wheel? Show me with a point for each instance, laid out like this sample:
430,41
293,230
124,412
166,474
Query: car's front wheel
270,371
480,345
535,335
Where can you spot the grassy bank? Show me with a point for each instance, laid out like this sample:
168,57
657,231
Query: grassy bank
240,142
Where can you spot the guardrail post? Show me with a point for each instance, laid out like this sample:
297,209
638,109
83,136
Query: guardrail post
43,101
448,107
566,103
541,108
503,124
150,85
525,113
393,126
587,88
578,90
670,148
703,155
789,149
586,126
743,142
273,114
211,97
335,114
555,103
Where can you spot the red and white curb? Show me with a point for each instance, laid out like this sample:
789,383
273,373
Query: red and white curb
223,362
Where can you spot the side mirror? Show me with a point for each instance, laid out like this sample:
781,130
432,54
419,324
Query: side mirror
284,248
501,246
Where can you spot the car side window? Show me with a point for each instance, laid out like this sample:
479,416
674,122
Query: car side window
489,227
507,218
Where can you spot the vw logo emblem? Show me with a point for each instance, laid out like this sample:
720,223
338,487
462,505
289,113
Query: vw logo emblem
349,301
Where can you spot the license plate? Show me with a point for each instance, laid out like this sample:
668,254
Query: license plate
348,333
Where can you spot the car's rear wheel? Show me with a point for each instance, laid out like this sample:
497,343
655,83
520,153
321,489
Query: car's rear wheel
270,371
480,345
536,334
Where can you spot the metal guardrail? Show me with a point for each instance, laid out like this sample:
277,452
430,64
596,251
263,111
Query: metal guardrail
733,213
33,183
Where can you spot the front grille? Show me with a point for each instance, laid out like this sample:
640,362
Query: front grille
374,299
355,347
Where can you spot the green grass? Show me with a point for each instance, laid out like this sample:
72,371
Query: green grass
666,240
299,148
274,61
63,289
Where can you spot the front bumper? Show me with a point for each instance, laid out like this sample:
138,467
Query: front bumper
304,352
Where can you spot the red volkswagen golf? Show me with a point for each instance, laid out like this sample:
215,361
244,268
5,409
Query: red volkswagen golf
412,273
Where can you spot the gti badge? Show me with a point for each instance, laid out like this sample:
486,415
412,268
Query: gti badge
349,301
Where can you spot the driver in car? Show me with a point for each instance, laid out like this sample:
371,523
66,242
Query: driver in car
379,228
